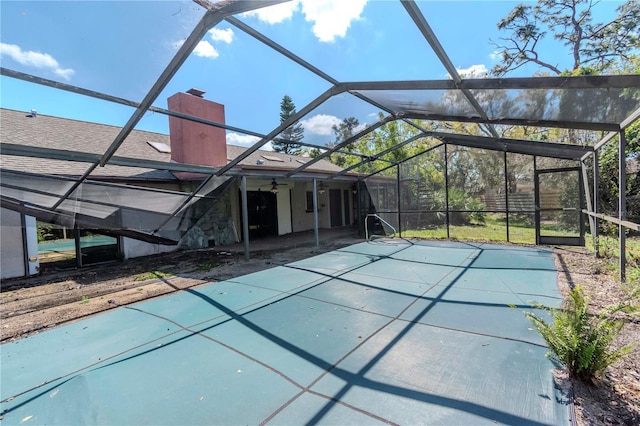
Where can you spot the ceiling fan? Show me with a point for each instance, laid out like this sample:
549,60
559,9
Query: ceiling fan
274,186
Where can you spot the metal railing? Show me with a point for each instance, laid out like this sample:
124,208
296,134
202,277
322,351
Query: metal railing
366,226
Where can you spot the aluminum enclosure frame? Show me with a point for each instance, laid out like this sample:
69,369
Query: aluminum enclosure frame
226,11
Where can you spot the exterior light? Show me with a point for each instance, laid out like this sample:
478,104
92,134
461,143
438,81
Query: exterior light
321,188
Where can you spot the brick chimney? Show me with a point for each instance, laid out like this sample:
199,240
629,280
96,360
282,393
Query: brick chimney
197,143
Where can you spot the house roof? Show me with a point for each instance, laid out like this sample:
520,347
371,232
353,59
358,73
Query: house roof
43,131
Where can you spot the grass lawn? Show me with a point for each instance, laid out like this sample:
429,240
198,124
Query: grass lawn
495,229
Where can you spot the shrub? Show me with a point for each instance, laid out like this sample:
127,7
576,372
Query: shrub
581,341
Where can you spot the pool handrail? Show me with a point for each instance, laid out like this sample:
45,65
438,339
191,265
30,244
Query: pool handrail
366,225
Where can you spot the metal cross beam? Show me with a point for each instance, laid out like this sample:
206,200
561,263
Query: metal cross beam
290,121
215,13
406,159
430,36
380,154
342,144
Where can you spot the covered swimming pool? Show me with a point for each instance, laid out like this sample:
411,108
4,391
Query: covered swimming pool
386,331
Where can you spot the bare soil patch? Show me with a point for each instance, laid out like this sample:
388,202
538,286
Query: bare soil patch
29,306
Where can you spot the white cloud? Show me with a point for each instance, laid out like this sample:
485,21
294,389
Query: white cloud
321,124
332,18
66,73
360,127
176,44
496,55
246,141
275,14
205,50
35,59
225,35
474,71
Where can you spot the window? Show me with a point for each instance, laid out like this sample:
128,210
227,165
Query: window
160,147
309,201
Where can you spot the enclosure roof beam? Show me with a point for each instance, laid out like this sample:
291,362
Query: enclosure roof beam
335,90
279,48
504,83
380,154
635,115
406,159
295,58
517,146
604,140
562,124
215,13
69,221
84,157
66,87
430,36
343,144
95,182
64,155
98,95
625,123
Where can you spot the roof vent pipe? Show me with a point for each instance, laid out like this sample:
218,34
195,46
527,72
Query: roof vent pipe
34,113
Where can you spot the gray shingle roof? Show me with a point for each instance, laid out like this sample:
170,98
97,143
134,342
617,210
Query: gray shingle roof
17,127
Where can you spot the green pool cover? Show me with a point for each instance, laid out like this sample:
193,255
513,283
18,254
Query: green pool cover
385,332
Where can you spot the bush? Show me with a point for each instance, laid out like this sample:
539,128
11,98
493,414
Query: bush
581,341
459,200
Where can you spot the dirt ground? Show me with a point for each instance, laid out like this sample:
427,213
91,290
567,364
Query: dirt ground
615,398
30,306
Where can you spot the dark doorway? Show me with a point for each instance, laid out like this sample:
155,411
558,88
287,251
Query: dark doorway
263,214
347,217
335,204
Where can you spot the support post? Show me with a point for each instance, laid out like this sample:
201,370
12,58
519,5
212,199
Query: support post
446,185
536,193
76,239
585,184
506,194
596,195
622,205
245,217
316,233
25,244
359,201
399,198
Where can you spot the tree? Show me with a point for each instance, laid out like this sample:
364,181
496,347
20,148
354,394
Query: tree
595,48
343,131
594,45
294,133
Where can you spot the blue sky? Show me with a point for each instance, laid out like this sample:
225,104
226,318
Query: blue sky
121,47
